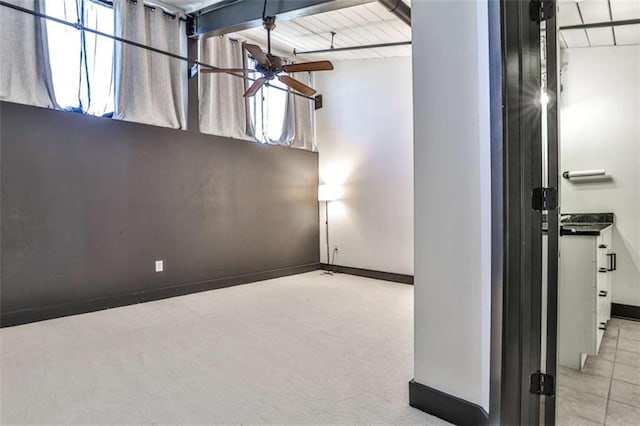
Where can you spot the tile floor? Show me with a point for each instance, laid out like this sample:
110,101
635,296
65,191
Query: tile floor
607,391
304,349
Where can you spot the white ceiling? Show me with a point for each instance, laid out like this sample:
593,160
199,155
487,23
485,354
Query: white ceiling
190,5
372,23
594,11
366,24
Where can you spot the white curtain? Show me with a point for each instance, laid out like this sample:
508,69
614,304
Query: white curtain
81,62
304,114
151,88
222,107
99,87
271,114
65,52
279,117
25,73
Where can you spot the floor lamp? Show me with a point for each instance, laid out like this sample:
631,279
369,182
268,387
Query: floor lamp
327,193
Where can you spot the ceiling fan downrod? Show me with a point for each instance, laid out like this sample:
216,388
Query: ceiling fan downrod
269,23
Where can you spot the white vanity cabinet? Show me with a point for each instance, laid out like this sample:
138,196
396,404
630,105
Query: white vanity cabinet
584,295
605,265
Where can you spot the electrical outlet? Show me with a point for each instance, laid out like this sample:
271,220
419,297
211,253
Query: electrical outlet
159,265
336,248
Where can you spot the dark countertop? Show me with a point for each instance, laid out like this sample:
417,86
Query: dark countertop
582,228
587,218
589,224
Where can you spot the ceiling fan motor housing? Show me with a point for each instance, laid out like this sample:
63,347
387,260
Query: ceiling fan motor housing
269,23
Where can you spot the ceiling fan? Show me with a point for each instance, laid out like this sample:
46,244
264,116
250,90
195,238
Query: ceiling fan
272,66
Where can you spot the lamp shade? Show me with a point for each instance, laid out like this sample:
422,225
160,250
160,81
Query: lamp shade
329,192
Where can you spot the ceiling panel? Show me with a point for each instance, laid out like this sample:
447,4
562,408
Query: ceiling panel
377,9
594,11
365,24
358,18
568,13
628,34
600,36
402,28
625,9
575,38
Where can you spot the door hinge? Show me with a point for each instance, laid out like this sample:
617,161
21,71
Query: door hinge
542,10
542,384
544,199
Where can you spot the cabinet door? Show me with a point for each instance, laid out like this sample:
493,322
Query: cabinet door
603,248
602,278
602,312
602,265
607,240
577,300
608,298
599,340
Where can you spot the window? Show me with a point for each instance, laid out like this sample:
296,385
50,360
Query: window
81,62
268,109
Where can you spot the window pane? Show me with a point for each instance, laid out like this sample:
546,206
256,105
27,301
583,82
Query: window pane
64,52
268,108
82,78
98,94
275,104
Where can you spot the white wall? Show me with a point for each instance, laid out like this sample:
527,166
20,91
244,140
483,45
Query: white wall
452,197
600,128
364,137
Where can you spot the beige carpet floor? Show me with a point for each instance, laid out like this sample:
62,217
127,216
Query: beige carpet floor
304,349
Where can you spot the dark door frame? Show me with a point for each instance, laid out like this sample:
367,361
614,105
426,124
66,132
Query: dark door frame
553,216
516,157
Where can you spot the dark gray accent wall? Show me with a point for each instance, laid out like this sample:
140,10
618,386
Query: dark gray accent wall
88,205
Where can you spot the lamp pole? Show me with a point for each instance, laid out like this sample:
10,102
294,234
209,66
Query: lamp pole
326,230
328,193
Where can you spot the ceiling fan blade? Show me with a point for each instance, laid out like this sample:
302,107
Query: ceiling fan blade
309,66
219,70
251,91
296,85
257,54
